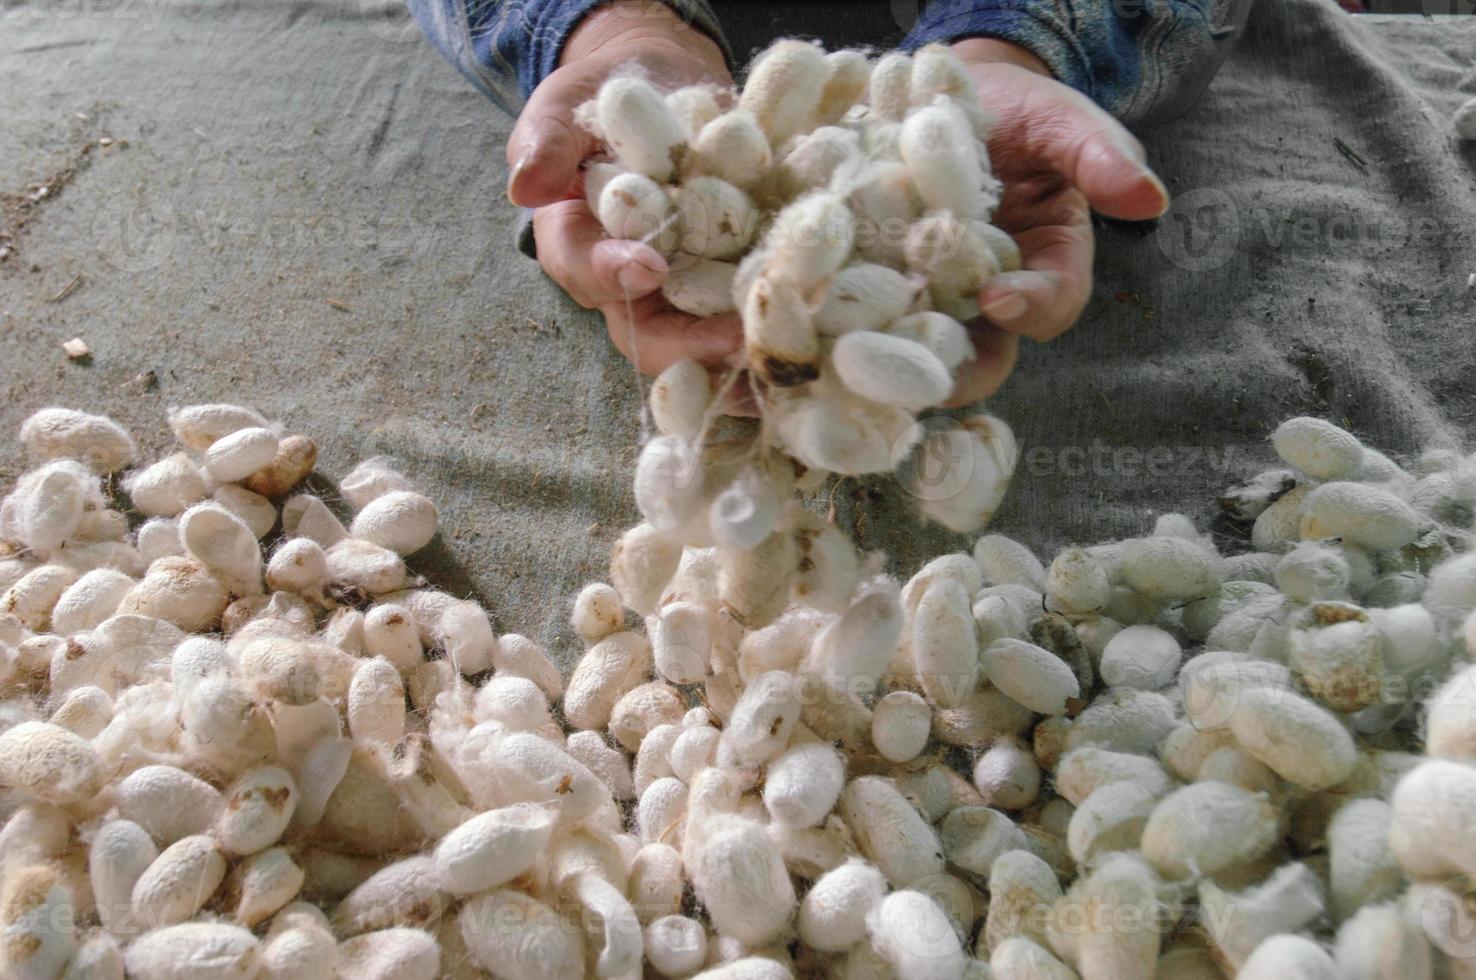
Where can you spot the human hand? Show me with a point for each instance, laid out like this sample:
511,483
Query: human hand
1060,156
620,278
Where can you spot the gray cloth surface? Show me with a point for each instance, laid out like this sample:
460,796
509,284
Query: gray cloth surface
309,217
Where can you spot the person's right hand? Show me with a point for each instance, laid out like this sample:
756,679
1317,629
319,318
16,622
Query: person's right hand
1060,157
544,154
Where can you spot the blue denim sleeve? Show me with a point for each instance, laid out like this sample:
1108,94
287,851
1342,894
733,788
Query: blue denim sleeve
506,47
1141,60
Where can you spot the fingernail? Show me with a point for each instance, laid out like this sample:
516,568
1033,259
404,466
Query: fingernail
1011,306
660,268
1158,185
512,177
1128,145
635,278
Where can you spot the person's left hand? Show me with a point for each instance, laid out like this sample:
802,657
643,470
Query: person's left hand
1059,156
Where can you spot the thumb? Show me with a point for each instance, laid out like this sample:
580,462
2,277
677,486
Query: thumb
1110,170
546,147
1077,139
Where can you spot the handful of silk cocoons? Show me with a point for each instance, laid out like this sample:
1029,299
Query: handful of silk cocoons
840,206
239,737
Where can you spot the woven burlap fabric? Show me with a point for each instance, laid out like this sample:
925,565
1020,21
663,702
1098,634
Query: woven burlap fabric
308,216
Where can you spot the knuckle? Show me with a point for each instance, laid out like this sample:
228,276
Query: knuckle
1055,128
1060,318
558,269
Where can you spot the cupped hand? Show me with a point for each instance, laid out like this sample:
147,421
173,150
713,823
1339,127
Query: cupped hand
1059,156
620,278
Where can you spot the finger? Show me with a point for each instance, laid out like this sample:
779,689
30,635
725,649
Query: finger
593,269
1044,298
995,354
658,336
634,268
1077,139
1115,181
545,147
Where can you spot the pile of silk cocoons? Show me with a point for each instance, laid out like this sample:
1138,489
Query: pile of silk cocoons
841,206
240,739
1140,760
219,756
